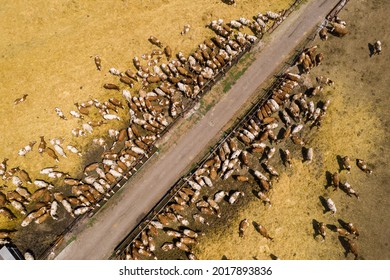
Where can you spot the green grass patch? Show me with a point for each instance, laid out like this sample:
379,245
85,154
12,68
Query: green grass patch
205,106
91,222
231,80
73,238
237,71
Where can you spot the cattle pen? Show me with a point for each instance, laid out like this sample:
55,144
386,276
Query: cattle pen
168,197
204,90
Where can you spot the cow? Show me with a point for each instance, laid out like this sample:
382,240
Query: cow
263,231
338,29
352,248
24,193
233,198
3,166
272,171
287,157
219,196
349,190
6,213
51,154
321,80
26,149
235,24
114,71
167,246
335,180
42,218
377,47
76,114
98,63
3,199
82,108
264,198
331,206
324,34
321,228
352,229
273,15
155,41
186,29
200,219
229,2
19,206
342,231
59,150
53,210
244,224
111,117
346,164
182,246
111,86
21,99
309,155
318,59
60,113
363,166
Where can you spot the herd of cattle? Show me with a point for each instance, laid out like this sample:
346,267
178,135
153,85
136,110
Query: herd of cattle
201,200
347,229
247,157
161,95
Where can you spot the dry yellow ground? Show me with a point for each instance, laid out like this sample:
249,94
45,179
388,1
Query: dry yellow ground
48,49
295,198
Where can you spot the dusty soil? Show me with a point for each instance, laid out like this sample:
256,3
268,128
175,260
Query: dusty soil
355,126
48,54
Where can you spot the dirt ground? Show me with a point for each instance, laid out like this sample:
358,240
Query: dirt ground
48,54
356,125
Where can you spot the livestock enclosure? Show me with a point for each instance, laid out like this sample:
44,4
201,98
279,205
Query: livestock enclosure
354,124
54,77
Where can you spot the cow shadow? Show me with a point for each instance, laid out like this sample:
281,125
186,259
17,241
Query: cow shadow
280,134
320,104
371,49
252,172
332,227
340,162
264,155
304,151
301,70
343,224
273,257
344,242
329,180
316,229
256,226
255,193
282,155
324,204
